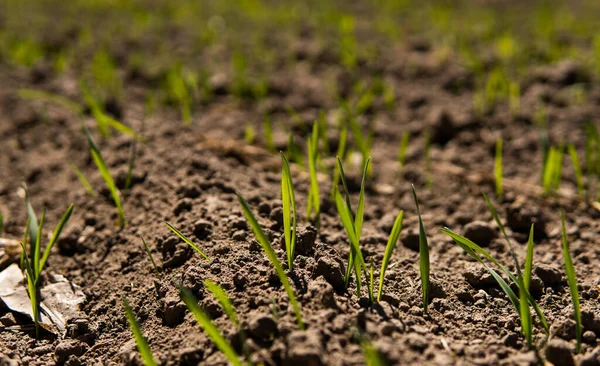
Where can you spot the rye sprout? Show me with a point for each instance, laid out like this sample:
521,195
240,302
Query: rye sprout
288,201
498,167
341,151
103,168
423,256
572,280
264,242
577,169
186,240
353,224
209,327
403,149
314,199
389,248
36,261
140,340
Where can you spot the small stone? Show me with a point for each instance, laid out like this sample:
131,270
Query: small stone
558,352
589,336
549,275
239,235
239,223
262,327
67,348
480,232
8,320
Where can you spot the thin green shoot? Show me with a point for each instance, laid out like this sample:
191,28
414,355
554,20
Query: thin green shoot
186,240
526,323
577,169
33,227
404,141
498,167
147,250
209,327
142,345
314,198
372,357
341,151
423,256
219,293
131,165
288,200
104,121
572,280
553,169
249,134
264,242
22,264
389,248
83,180
103,168
268,132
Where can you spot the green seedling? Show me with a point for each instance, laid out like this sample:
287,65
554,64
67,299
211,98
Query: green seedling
268,131
348,43
105,75
249,134
352,224
372,357
147,250
341,151
142,345
389,248
264,242
577,169
34,264
553,169
104,121
83,180
404,141
186,240
526,321
288,201
498,167
423,256
131,165
178,90
572,280
103,168
314,197
211,330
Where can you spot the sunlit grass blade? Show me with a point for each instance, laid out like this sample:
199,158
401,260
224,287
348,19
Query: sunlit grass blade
423,255
55,235
83,180
288,201
389,248
527,271
526,323
32,290
314,198
211,330
140,340
572,280
577,169
103,168
219,293
503,230
360,209
341,151
33,225
186,240
22,263
498,167
372,357
37,249
147,250
264,242
404,141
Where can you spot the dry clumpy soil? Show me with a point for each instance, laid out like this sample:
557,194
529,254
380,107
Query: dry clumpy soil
188,176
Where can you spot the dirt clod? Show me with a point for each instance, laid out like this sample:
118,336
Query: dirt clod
558,352
480,232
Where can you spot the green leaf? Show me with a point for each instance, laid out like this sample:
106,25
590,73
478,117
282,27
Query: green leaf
33,227
498,167
423,255
389,248
403,148
288,201
55,235
86,184
264,242
140,341
52,98
219,293
103,168
572,280
314,199
186,240
360,210
37,248
528,260
147,250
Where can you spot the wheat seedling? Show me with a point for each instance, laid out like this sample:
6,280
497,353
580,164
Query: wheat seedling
423,256
186,240
389,248
403,149
314,198
572,280
288,201
140,340
577,169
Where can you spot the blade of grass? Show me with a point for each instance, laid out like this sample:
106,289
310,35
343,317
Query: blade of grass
33,227
314,199
404,141
268,131
86,184
389,248
498,167
37,248
186,240
572,280
56,99
263,240
219,293
55,235
140,340
103,168
288,201
577,168
147,250
423,255
528,260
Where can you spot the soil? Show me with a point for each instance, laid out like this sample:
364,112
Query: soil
188,176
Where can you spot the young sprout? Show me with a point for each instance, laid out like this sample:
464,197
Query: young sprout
147,250
288,201
103,168
498,167
264,242
572,280
526,323
403,149
353,224
389,248
186,240
83,180
211,330
423,256
372,357
268,131
553,169
314,198
140,340
42,96
341,151
178,89
577,169
249,134
103,120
